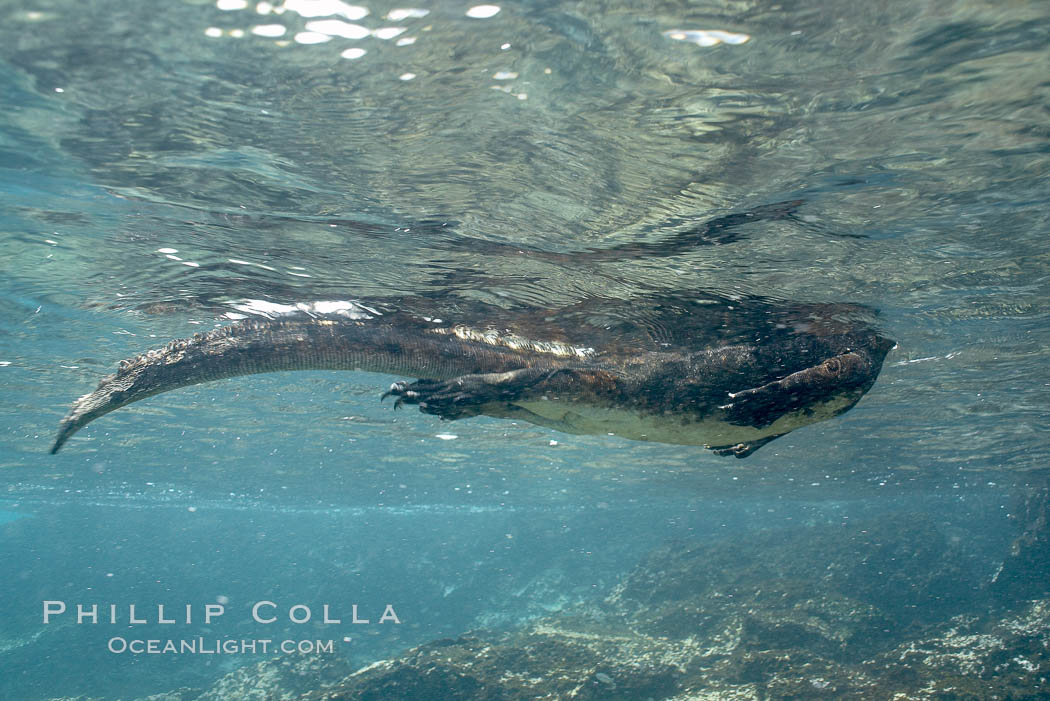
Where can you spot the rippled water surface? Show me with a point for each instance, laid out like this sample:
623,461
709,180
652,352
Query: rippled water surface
163,162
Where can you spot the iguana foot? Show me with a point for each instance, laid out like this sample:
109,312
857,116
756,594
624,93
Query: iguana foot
742,450
457,398
466,395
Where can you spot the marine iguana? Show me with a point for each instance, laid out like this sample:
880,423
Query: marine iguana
728,374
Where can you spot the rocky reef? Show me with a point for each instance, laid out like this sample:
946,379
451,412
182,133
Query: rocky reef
891,609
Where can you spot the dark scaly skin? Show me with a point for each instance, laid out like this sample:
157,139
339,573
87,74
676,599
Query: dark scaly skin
657,369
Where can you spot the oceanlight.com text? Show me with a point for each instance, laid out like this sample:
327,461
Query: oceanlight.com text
203,646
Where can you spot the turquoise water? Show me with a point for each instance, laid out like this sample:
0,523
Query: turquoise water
8,516
161,163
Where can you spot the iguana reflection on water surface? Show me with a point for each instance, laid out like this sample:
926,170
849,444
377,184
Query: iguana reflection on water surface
699,369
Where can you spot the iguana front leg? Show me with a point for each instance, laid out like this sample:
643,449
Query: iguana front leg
466,395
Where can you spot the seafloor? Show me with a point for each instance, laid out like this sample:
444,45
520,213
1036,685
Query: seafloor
889,609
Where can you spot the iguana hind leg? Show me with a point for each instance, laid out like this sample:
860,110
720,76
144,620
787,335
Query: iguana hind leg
467,395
